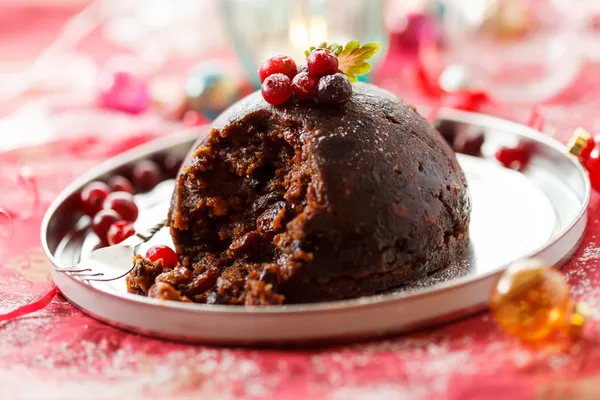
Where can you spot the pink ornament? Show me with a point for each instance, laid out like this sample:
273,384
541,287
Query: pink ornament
124,92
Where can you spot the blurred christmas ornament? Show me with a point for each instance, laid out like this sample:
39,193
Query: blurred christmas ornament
586,148
122,89
581,144
508,19
531,302
209,90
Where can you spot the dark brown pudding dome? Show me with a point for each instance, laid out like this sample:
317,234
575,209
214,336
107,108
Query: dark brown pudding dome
301,203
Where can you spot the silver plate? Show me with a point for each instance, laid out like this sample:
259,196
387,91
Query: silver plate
538,213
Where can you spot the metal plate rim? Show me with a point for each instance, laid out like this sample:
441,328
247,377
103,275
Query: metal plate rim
359,303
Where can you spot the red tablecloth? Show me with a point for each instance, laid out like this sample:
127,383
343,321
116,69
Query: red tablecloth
59,353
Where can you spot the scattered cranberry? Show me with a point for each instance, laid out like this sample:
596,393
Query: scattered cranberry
322,62
469,144
123,204
277,89
167,254
171,164
146,175
119,231
92,197
305,85
121,184
334,88
102,221
515,158
277,65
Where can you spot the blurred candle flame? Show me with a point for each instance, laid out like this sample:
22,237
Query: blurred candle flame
302,35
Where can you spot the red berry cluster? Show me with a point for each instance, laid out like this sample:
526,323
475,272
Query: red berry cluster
111,205
319,80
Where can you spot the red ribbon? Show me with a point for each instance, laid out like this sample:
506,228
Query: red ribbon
31,307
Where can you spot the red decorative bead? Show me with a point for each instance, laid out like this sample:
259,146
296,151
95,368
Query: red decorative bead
92,196
168,256
146,175
123,203
119,231
322,62
305,85
277,65
121,184
277,89
102,221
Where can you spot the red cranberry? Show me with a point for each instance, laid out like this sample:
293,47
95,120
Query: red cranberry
168,256
469,144
121,184
102,221
146,175
119,231
277,89
277,65
123,203
305,85
92,196
334,88
322,62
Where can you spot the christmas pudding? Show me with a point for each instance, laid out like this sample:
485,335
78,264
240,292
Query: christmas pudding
308,201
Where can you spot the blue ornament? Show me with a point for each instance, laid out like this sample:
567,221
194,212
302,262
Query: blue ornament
210,90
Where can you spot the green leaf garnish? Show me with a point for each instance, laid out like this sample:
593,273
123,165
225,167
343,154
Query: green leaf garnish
352,57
